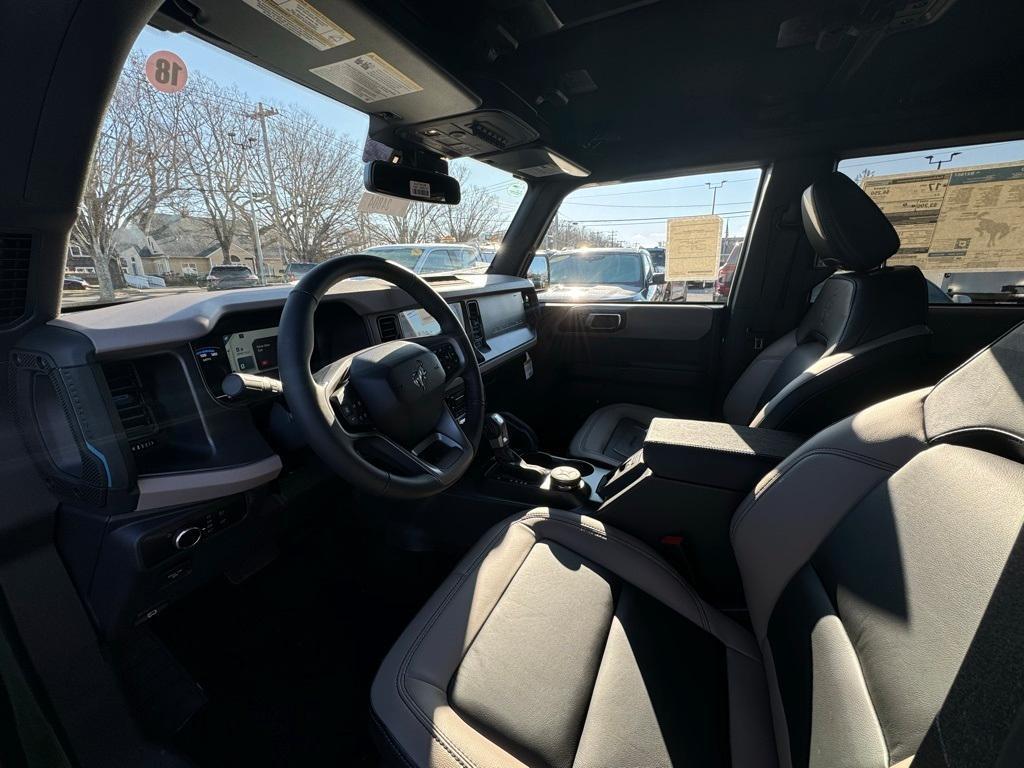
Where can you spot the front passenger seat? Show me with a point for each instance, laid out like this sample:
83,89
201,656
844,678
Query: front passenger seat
862,340
869,558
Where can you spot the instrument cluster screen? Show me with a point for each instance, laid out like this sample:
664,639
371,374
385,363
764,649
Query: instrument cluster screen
252,351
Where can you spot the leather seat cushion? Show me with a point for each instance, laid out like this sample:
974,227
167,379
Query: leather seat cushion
562,642
612,434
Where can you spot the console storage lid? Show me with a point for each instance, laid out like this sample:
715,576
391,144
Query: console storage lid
713,453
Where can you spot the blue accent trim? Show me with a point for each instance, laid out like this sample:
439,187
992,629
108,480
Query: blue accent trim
103,459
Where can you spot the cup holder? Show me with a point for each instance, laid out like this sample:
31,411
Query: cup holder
548,461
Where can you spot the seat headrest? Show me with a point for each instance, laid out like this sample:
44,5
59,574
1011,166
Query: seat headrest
982,401
845,226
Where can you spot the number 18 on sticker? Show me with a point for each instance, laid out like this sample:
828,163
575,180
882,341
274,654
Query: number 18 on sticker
166,72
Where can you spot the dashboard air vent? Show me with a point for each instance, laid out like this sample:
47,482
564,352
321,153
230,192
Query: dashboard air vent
476,326
14,257
388,327
130,401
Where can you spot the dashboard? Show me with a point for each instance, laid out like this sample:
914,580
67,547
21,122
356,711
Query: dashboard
157,471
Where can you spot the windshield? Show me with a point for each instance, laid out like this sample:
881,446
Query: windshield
228,177
596,268
405,256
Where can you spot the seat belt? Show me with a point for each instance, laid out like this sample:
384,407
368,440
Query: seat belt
981,722
777,284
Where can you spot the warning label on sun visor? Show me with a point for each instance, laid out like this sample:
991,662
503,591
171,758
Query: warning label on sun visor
304,21
367,77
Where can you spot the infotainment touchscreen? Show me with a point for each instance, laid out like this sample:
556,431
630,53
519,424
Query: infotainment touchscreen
252,351
416,323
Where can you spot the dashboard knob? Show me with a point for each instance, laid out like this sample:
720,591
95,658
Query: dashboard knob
187,538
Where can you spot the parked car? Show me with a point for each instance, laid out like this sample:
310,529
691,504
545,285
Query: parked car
430,258
726,272
76,283
225,277
603,274
995,287
295,270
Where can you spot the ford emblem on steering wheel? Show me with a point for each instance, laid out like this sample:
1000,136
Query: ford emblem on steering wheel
419,378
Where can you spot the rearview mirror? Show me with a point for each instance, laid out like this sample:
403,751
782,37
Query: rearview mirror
658,278
411,183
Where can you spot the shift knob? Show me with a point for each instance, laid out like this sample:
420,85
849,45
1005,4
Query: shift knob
497,430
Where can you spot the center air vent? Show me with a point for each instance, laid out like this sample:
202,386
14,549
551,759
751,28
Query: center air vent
130,401
476,326
387,325
14,256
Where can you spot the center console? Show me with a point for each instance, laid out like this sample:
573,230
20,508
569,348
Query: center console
539,478
682,489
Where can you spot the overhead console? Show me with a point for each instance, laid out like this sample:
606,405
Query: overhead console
469,135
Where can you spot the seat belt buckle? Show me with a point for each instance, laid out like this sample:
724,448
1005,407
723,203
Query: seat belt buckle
758,343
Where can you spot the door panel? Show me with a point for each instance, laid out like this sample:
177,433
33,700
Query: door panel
588,355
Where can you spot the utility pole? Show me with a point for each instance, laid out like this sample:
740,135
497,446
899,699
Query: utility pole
714,193
939,163
247,144
260,115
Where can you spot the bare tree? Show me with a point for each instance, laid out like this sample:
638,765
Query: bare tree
214,127
316,185
122,186
571,234
419,225
476,218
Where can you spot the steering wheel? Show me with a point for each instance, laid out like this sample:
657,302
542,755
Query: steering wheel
378,417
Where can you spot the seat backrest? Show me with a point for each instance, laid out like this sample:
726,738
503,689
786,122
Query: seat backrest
861,341
869,556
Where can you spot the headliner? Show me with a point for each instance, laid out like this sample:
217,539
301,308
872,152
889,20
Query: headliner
683,85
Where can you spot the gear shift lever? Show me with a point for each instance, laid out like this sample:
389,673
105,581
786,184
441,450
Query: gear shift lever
497,436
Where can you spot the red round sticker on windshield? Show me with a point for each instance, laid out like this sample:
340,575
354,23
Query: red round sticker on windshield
166,72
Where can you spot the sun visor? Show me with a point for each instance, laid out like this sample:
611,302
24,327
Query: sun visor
335,48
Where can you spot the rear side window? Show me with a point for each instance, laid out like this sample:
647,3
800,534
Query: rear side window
663,240
960,216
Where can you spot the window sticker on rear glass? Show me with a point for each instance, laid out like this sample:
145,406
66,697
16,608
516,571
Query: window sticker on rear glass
304,21
367,77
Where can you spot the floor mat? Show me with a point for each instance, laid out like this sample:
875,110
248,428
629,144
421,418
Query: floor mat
287,658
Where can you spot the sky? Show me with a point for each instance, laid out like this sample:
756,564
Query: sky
636,211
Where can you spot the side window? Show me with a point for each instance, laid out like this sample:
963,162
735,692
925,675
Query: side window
663,240
959,213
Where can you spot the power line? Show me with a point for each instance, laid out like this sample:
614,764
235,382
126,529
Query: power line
659,189
653,220
665,205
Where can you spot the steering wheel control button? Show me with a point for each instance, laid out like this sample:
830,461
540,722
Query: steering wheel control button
566,479
353,410
187,538
449,358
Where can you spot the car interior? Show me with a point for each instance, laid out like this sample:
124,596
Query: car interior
351,510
